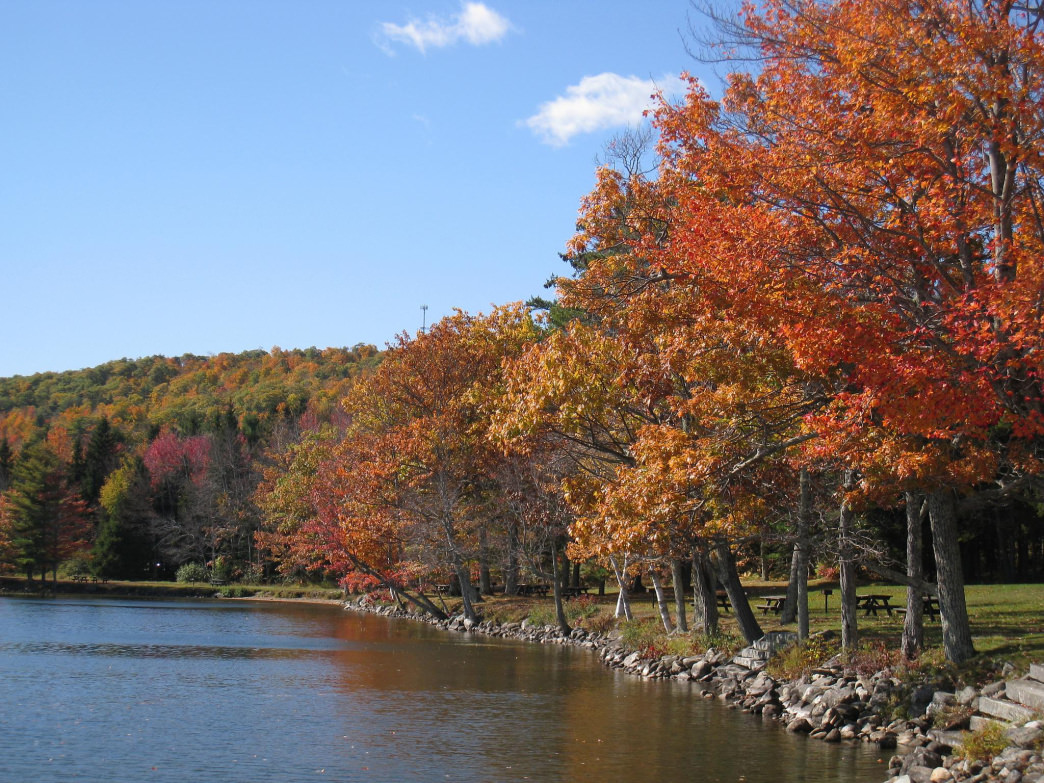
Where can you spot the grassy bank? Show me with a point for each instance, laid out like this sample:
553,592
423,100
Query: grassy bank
11,585
1007,621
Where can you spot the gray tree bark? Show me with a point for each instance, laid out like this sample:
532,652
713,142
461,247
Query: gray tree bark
623,601
801,547
704,591
849,613
556,585
678,577
729,576
661,600
953,610
913,626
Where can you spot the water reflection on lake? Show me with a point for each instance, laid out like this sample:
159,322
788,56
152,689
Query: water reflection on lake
118,690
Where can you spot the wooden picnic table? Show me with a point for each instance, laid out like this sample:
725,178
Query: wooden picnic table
871,602
573,592
533,589
722,599
929,606
772,603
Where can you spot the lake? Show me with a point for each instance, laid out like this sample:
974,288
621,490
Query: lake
235,691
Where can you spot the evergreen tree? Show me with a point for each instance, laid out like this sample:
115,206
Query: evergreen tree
46,521
123,547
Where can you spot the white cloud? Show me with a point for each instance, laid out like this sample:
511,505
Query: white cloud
477,24
607,100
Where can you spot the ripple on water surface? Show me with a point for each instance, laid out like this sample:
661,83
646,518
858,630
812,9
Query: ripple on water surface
122,691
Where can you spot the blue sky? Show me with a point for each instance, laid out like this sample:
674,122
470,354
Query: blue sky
182,176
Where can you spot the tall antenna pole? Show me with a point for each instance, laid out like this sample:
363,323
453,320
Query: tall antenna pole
424,318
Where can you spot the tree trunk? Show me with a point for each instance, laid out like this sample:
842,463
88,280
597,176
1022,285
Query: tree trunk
465,589
789,612
511,572
623,602
704,592
801,551
913,626
574,579
849,618
678,577
485,583
558,576
748,623
953,611
661,600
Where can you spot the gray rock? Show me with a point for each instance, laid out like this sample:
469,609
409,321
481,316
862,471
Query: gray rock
1024,736
922,757
701,668
919,774
994,688
920,698
967,695
799,726
1005,710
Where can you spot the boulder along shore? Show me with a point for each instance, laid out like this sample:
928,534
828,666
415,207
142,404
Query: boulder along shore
831,703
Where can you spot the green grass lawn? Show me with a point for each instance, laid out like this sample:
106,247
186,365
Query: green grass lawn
1007,621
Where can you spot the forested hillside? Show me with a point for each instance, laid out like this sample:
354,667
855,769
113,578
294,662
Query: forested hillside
138,466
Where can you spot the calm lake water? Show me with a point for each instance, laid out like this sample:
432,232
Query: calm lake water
125,690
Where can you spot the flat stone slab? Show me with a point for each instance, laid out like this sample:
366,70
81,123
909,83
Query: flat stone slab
1027,692
1005,710
1036,672
952,738
978,723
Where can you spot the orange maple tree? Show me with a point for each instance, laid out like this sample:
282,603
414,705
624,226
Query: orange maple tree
872,197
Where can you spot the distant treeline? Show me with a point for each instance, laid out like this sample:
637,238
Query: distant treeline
138,466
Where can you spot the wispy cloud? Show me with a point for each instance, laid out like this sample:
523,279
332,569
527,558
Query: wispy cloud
607,100
476,24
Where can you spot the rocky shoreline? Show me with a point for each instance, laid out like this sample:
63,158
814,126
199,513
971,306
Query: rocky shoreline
830,704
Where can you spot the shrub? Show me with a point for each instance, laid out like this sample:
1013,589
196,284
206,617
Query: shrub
542,615
983,744
644,636
581,607
602,622
192,572
871,658
799,659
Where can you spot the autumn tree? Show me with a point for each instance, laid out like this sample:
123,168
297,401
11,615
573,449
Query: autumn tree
874,194
416,455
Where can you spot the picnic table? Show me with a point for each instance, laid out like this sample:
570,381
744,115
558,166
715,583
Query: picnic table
722,599
533,589
573,592
871,602
929,606
772,603
81,577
